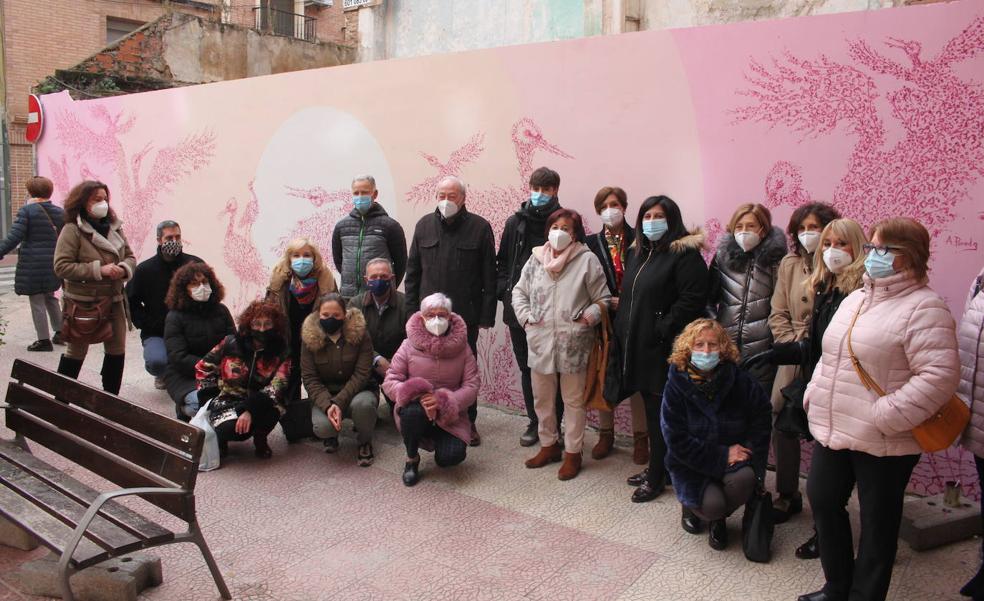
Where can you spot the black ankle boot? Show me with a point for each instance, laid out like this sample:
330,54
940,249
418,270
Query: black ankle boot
112,373
69,367
411,472
690,522
718,535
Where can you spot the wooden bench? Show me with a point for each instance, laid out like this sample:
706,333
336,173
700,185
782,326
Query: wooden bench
149,455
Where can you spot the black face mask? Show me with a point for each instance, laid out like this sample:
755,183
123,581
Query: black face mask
263,337
331,325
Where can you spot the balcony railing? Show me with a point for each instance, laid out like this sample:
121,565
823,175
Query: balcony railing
278,22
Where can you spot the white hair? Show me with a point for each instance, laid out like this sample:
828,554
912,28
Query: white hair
380,261
457,181
365,178
438,300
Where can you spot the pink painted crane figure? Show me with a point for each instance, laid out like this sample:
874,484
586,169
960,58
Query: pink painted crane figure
239,252
317,227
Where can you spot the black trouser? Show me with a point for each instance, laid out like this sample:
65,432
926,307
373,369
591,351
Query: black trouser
414,425
262,423
473,344
657,445
518,337
881,483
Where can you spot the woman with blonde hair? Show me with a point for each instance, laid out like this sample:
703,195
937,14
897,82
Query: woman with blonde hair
298,280
899,334
716,420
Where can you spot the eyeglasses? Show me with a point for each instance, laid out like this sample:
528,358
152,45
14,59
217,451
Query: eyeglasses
881,251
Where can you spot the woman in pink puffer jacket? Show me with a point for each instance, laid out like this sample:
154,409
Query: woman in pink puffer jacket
905,339
971,339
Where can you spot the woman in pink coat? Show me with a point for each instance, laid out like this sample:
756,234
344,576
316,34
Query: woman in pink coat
904,337
433,380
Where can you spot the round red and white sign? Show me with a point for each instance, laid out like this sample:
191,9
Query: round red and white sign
35,119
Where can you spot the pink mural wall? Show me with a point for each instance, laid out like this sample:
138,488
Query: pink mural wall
881,113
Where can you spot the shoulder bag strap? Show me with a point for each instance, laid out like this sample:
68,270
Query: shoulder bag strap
866,379
50,220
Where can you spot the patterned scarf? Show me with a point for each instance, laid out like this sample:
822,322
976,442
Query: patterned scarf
615,242
304,290
705,382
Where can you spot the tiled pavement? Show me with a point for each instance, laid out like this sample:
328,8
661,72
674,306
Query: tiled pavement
308,526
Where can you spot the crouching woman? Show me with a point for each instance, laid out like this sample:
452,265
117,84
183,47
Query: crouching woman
433,380
717,420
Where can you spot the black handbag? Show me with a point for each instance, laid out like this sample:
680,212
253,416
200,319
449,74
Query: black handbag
296,422
613,390
792,418
757,527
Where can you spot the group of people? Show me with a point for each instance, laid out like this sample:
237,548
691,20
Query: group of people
707,355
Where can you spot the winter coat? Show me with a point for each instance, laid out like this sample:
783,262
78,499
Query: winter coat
547,306
442,365
36,233
334,372
740,297
971,339
388,329
189,334
278,292
662,291
524,230
698,430
80,253
237,378
905,339
599,246
147,290
792,307
359,238
456,257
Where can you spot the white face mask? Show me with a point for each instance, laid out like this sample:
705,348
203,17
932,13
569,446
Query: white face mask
612,217
810,241
100,209
559,239
836,259
447,208
201,293
747,240
436,325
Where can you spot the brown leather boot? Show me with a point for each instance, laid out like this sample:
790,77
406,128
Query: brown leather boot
640,448
606,440
571,466
546,455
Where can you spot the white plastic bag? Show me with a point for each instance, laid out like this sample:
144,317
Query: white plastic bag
210,450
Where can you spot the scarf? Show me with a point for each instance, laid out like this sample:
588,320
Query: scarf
615,243
703,381
555,264
304,290
100,225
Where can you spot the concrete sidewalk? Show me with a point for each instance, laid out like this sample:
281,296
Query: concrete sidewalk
306,526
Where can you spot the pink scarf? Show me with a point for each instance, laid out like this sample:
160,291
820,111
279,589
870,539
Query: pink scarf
554,265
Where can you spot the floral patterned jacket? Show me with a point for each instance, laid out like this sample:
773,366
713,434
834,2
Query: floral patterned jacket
239,378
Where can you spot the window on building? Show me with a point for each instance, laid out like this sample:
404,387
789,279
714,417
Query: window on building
120,28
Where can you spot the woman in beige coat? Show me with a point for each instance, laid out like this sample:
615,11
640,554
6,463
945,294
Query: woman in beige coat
94,259
558,301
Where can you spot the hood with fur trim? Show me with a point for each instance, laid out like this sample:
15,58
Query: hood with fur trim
769,252
695,239
450,344
314,337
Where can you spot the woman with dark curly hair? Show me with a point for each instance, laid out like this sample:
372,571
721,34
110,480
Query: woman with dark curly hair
196,321
245,376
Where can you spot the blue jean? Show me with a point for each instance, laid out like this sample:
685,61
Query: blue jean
191,404
155,356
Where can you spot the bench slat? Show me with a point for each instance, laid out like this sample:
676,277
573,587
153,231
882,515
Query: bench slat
168,431
106,435
112,511
98,461
50,531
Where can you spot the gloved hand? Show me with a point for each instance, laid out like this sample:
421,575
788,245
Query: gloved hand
789,353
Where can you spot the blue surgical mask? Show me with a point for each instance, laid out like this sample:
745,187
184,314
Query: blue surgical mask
302,265
654,228
362,203
705,361
538,199
879,266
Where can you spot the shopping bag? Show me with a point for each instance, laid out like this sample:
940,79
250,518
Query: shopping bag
210,450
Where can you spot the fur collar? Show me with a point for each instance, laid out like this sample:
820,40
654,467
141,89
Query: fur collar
769,252
695,239
452,343
113,242
314,336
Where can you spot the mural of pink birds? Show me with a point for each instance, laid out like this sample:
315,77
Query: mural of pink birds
239,252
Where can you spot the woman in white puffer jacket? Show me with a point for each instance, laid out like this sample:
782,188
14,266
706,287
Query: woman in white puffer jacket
970,336
905,338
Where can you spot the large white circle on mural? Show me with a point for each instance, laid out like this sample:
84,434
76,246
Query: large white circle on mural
303,180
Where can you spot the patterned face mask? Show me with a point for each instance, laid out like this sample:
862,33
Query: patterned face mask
171,248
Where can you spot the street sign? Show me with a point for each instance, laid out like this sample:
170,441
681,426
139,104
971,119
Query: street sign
353,4
35,119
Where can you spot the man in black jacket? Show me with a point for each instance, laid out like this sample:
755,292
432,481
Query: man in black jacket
146,292
453,251
524,230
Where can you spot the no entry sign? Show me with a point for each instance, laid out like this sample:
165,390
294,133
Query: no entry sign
35,119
